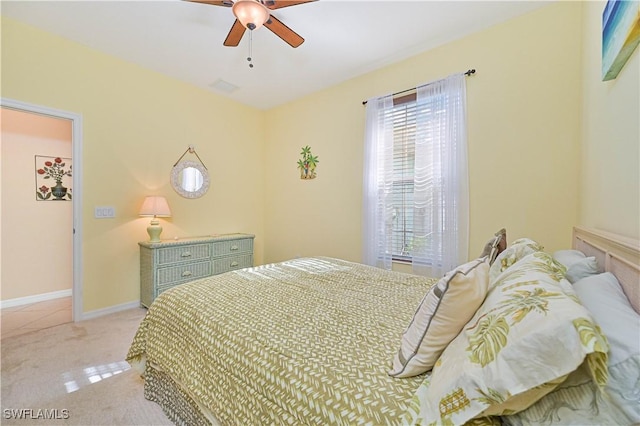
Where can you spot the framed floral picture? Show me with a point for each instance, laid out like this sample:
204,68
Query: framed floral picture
53,178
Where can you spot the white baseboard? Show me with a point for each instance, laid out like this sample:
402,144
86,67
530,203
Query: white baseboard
110,310
10,303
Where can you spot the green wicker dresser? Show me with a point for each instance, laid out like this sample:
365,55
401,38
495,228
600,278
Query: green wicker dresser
173,262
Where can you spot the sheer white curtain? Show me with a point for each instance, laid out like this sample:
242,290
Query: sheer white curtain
441,194
378,184
441,182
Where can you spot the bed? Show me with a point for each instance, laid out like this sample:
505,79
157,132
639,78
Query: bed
324,341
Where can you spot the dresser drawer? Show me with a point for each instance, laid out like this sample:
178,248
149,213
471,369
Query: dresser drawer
231,263
167,264
223,248
183,273
169,255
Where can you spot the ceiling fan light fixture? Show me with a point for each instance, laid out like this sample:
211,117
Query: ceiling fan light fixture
251,13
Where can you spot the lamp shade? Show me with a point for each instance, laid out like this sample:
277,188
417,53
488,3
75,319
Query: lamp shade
155,206
251,13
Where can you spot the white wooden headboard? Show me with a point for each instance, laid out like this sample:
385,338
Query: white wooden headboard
616,254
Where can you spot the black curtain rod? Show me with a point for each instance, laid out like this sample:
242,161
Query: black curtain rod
468,73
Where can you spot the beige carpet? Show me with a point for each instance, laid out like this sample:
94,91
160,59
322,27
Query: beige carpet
75,374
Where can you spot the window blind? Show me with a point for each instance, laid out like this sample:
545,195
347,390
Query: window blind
402,119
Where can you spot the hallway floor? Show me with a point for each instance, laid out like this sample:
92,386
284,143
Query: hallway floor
26,318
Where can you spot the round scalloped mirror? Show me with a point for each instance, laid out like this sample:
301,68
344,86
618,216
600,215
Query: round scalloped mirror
190,179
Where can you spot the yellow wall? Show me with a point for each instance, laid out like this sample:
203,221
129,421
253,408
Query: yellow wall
136,124
610,177
37,235
529,171
524,128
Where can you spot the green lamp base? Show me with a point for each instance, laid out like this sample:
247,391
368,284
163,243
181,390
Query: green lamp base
154,230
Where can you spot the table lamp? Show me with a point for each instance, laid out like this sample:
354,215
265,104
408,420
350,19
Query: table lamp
156,207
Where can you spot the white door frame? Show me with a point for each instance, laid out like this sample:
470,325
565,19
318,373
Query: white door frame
76,142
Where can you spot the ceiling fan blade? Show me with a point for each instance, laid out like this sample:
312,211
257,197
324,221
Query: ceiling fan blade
279,4
225,3
235,34
285,33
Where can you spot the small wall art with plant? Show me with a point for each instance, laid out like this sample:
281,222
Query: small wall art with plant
53,178
307,164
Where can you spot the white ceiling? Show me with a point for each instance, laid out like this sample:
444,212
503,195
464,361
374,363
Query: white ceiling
343,39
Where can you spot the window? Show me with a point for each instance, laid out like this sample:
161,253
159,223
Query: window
404,116
415,199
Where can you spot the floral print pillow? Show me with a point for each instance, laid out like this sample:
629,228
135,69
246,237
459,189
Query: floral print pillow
518,249
530,333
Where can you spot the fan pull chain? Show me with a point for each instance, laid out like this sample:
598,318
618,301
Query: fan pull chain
250,45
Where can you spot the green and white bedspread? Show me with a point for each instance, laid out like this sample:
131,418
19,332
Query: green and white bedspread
303,342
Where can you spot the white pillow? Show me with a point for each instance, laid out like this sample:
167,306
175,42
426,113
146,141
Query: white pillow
442,313
620,323
582,269
568,257
602,295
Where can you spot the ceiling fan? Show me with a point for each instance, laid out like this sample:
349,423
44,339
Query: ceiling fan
252,14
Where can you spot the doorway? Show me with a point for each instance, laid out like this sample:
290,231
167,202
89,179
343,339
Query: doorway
43,198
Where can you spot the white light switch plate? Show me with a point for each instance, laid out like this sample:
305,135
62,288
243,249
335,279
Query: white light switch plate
105,212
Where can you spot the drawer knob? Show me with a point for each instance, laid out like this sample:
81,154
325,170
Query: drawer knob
186,273
234,248
186,254
234,264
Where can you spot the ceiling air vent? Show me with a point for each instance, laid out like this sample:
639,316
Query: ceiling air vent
223,86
